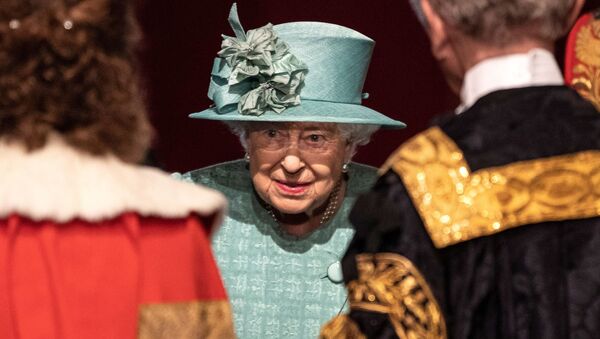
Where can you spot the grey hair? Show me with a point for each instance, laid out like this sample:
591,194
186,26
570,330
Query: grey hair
354,134
496,20
239,128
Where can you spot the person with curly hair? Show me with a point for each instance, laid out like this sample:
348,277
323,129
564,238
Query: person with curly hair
91,244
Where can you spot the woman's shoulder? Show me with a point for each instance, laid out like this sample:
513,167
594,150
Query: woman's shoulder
361,178
225,177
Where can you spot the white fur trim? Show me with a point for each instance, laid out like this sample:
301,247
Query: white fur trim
60,183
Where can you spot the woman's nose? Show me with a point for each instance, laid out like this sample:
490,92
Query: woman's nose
292,163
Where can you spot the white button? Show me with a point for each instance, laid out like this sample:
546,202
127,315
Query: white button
334,273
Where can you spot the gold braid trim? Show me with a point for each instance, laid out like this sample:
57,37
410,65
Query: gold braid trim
341,327
586,74
389,283
457,205
201,319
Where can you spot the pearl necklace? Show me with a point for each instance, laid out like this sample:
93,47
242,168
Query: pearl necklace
329,211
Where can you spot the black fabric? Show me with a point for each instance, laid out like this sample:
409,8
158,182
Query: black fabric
534,281
524,124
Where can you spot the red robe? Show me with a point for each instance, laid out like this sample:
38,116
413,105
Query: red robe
130,258
582,66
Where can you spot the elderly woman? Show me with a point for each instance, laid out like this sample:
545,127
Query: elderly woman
292,94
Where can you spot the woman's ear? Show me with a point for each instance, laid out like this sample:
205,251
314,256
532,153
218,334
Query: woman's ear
349,151
246,144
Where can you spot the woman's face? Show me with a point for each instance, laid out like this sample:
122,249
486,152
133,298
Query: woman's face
294,166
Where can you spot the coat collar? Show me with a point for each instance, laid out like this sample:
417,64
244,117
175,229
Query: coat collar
534,68
60,183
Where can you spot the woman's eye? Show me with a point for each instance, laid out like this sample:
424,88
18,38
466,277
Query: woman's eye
271,133
317,140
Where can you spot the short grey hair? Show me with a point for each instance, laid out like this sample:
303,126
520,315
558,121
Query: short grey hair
496,20
354,134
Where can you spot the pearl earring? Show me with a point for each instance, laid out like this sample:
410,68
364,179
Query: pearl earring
247,157
345,167
68,25
14,24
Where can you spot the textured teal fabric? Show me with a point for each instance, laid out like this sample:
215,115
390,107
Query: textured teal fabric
278,285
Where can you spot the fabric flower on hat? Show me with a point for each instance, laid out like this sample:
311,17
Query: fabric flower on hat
277,94
249,57
259,59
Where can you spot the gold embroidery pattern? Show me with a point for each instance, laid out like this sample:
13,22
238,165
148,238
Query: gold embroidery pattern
208,319
341,327
457,205
389,283
586,75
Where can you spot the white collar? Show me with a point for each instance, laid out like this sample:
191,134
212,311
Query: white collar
60,183
534,68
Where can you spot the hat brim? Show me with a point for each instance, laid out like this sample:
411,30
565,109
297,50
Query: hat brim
310,111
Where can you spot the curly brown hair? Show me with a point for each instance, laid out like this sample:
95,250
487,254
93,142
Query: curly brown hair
68,67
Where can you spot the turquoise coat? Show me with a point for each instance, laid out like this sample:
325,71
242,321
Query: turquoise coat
280,286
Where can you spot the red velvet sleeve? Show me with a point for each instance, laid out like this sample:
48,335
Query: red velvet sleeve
123,278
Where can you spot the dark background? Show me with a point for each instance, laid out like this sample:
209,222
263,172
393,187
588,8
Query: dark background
183,37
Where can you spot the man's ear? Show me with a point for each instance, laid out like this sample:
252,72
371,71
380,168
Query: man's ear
443,49
573,14
437,32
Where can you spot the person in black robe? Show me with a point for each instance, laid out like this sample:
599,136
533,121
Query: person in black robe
486,225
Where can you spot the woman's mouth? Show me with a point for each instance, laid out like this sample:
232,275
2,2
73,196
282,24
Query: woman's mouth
292,188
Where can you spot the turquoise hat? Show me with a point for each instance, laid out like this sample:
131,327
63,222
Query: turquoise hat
292,72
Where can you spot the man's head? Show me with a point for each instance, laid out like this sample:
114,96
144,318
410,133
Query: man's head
498,21
463,33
